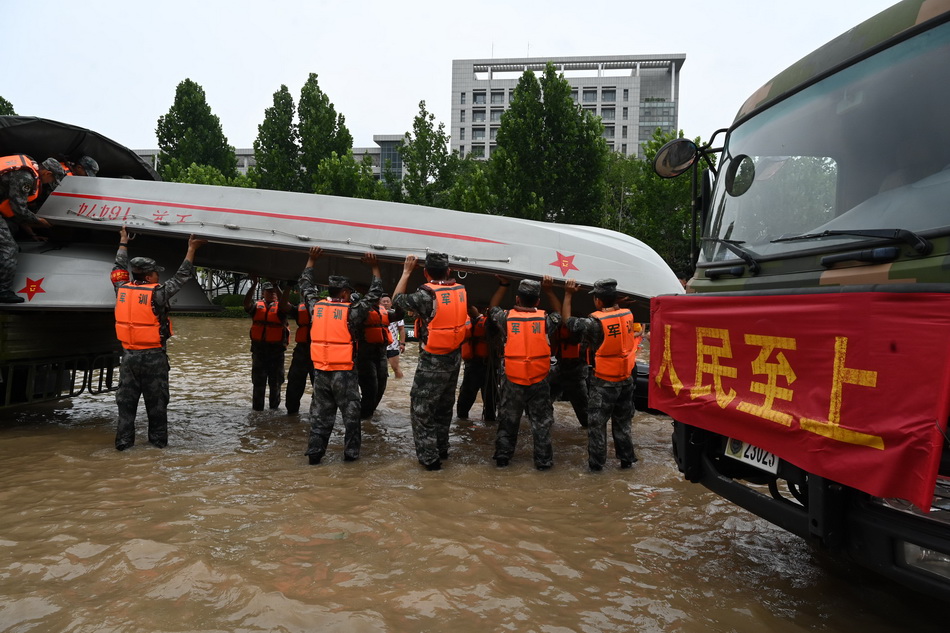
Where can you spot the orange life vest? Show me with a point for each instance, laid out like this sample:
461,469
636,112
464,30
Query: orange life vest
527,350
68,168
136,324
268,325
331,344
476,345
449,324
616,356
19,162
303,324
376,330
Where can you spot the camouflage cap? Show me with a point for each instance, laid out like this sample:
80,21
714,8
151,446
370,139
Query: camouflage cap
437,260
529,287
53,165
604,287
339,281
144,265
267,286
89,164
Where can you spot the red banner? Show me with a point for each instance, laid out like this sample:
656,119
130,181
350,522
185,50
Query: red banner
849,386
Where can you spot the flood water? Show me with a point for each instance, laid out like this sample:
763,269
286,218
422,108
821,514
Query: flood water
229,529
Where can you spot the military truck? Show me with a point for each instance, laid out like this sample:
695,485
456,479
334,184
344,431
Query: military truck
807,369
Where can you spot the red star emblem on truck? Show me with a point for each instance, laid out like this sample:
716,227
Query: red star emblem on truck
32,287
565,263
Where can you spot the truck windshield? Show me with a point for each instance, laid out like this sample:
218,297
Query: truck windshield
865,148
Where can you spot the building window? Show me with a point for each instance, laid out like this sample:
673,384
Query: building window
608,131
608,95
478,98
462,134
498,97
624,115
590,96
574,95
462,115
623,132
478,116
493,134
608,114
478,151
511,96
462,150
496,116
462,98
626,94
623,149
478,134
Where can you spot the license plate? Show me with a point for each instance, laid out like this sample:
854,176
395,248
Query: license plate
752,455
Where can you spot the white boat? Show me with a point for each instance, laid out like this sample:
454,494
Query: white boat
268,233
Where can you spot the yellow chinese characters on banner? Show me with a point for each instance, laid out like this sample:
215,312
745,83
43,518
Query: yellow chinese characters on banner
831,382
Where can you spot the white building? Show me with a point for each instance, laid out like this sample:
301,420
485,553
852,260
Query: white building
632,94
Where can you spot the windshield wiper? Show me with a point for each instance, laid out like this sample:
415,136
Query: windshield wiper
919,244
735,246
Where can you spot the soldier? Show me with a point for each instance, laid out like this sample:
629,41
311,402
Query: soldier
610,332
397,329
85,166
475,357
526,335
372,365
336,326
569,368
269,337
143,327
442,324
301,365
20,183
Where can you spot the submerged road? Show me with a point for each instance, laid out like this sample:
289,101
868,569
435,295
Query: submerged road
229,529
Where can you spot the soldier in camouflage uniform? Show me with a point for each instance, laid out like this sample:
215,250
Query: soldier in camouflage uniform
269,338
442,310
610,333
144,369
16,187
569,369
335,382
524,381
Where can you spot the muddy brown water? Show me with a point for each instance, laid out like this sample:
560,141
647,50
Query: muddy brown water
229,529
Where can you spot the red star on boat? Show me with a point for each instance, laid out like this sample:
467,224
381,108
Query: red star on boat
32,287
565,263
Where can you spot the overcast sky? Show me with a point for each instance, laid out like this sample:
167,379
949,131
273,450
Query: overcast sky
113,66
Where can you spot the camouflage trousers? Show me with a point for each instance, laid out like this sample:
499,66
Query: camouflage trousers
143,373
569,379
334,390
611,401
373,371
536,401
431,400
475,379
267,372
8,257
301,369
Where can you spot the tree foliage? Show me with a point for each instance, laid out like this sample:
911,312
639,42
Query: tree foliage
344,176
191,133
277,148
551,157
471,189
6,107
426,160
205,175
322,131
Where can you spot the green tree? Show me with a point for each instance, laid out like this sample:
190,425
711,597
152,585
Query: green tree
206,175
347,177
190,133
321,130
427,164
551,158
471,190
6,107
276,148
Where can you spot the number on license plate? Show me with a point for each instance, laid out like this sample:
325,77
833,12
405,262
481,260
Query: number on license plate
752,455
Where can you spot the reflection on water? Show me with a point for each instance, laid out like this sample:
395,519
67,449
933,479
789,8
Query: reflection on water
229,529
